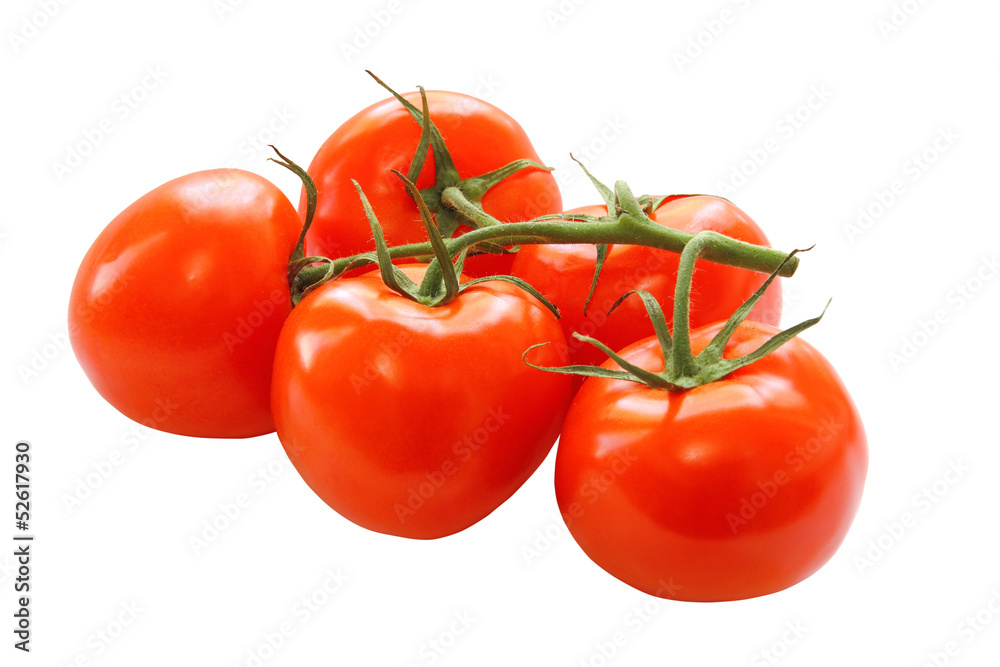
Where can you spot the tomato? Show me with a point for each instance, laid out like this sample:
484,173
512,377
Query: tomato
411,420
733,489
176,308
480,138
563,274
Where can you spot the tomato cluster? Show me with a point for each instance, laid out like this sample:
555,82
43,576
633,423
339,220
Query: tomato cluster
419,361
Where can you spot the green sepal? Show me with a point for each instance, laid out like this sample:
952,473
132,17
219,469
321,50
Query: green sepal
602,254
298,252
656,202
727,366
518,282
420,156
394,278
475,188
460,261
607,194
713,351
442,158
582,370
656,318
649,378
437,275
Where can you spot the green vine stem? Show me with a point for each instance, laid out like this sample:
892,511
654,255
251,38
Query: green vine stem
631,227
453,201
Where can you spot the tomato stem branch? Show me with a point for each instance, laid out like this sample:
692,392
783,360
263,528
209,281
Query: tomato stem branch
681,369
721,249
453,201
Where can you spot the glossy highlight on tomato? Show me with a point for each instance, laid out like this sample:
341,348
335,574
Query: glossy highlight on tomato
176,308
563,274
734,489
412,420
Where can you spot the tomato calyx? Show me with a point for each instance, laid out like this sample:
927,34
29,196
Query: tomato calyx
298,261
441,282
683,369
449,186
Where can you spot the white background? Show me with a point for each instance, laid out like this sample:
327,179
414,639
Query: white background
601,79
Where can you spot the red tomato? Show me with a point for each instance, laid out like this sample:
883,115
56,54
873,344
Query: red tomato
734,489
480,138
563,274
176,308
416,421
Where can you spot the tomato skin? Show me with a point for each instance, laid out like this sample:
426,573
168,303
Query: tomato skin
563,274
735,489
176,308
417,421
480,138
